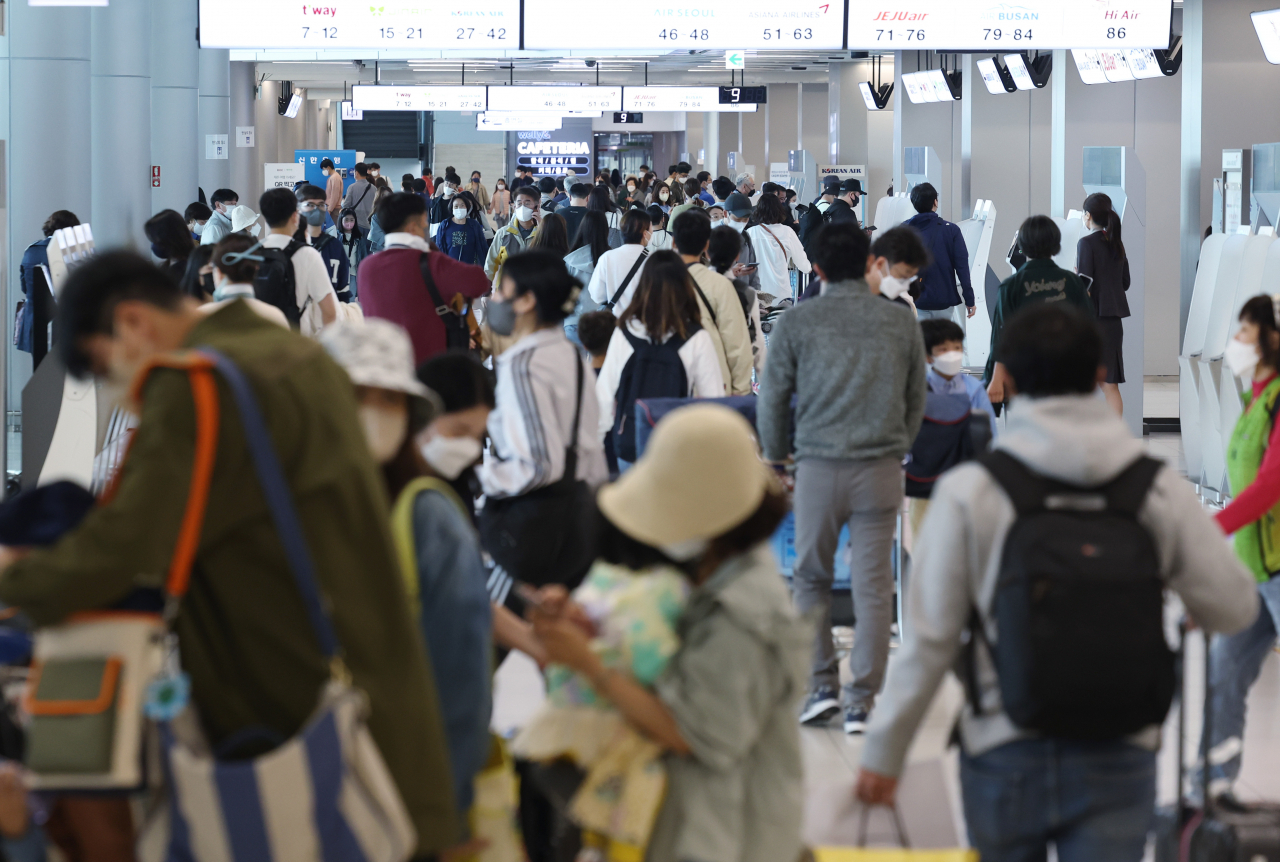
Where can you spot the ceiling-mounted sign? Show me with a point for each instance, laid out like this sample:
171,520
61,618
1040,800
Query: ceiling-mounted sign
518,121
744,95
678,99
735,60
388,97
655,25
455,24
562,99
990,25
627,118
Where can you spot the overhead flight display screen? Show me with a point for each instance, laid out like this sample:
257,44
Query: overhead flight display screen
990,25
321,24
688,25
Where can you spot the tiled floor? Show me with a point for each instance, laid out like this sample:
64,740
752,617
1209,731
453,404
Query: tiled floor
929,796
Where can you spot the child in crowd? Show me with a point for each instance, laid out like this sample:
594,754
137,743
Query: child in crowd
944,350
595,329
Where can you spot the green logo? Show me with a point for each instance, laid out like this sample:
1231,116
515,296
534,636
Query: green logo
376,10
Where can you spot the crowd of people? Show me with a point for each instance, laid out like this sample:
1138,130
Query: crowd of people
456,382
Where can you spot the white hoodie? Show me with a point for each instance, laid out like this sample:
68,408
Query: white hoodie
1075,439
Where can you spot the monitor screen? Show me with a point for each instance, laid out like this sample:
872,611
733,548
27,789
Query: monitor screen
295,104
991,76
1089,65
1267,24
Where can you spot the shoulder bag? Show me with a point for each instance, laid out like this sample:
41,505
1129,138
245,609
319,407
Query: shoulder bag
456,334
546,536
325,795
622,288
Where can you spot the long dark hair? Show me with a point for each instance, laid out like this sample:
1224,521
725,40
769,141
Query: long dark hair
552,235
1261,311
664,301
593,232
1101,210
601,201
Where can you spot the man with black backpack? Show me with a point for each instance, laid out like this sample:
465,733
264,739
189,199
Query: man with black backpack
292,275
1041,579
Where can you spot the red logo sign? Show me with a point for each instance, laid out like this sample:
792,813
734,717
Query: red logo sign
155,176
901,16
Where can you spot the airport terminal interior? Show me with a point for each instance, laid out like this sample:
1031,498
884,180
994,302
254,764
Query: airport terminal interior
120,114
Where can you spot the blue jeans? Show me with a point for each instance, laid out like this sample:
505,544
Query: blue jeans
1094,801
1234,664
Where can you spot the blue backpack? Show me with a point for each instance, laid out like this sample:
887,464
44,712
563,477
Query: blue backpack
653,371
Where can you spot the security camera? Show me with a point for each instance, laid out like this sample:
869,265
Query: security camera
591,64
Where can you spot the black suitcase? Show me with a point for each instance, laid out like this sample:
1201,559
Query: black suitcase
1216,833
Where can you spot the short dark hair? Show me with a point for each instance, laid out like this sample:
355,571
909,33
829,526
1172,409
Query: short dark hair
923,197
726,246
476,174
657,218
546,185
690,231
59,220
901,244
692,187
168,232
361,169
684,168
398,208
197,211
840,250
92,292
579,190
770,210
326,163
419,185
277,206
1052,349
543,274
460,381
770,188
722,187
633,225
595,329
309,192
452,177
703,176
241,271
1040,237
937,332
530,192
222,196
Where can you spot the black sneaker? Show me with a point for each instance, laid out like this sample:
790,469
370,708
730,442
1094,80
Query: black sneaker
855,720
821,707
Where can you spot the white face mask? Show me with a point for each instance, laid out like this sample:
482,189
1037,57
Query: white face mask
663,195
683,552
524,213
449,192
739,226
384,430
1241,358
449,456
197,228
891,287
460,213
950,363
631,188
716,222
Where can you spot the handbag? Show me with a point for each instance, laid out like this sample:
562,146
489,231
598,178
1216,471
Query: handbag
902,853
546,536
326,793
456,334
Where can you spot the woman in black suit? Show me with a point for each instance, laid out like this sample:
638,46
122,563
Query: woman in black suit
1101,257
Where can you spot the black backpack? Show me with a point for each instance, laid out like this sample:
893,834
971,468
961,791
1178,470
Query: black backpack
950,434
1078,607
275,283
653,371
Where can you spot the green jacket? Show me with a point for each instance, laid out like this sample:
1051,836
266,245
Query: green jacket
242,630
1258,544
508,240
1038,281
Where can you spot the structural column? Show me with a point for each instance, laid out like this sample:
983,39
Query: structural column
1192,145
47,132
215,119
711,143
120,122
175,96
1058,138
246,162
835,77
968,72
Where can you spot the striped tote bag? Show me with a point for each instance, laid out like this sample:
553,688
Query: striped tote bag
326,794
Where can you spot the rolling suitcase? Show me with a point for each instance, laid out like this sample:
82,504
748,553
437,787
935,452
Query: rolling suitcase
1217,832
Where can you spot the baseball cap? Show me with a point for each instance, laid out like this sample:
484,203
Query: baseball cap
830,182
738,204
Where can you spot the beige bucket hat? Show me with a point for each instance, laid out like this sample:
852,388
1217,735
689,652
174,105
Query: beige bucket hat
700,476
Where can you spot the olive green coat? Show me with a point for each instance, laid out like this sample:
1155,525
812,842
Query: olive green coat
243,633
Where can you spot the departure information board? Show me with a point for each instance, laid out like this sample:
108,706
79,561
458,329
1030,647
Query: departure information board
390,97
262,24
679,99
989,25
563,99
689,25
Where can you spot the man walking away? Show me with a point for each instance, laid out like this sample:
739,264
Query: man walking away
1082,785
856,364
360,196
946,246
247,644
574,209
298,265
222,202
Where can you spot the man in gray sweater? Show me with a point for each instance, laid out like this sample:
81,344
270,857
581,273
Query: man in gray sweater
855,361
1021,791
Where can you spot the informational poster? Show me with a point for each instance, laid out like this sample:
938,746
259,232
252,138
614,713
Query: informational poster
989,25
657,25
780,173
283,175
244,136
370,24
215,147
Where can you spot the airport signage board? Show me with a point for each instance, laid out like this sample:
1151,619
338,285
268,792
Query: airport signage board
679,99
564,100
1017,25
397,24
389,97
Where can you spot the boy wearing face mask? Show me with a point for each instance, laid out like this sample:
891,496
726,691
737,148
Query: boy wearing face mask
944,350
462,237
222,202
514,238
312,230
896,259
442,207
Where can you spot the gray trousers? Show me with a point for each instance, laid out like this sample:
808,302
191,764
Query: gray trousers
867,496
957,313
